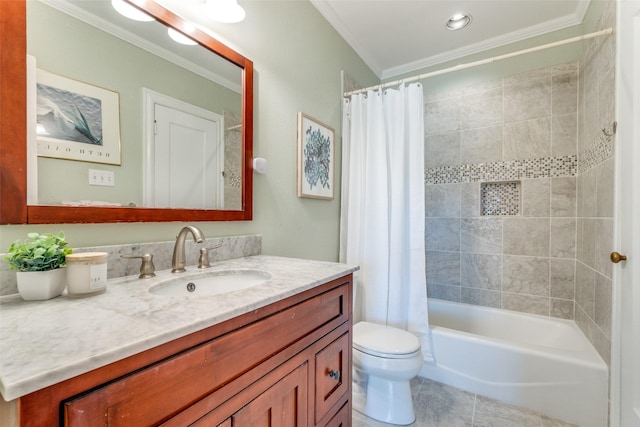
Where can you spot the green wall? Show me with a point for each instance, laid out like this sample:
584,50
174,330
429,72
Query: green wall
298,58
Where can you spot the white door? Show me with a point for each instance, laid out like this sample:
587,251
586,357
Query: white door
626,352
184,155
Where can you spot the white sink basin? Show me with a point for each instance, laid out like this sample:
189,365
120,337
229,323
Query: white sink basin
213,283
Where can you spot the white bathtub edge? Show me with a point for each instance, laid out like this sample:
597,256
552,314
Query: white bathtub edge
569,383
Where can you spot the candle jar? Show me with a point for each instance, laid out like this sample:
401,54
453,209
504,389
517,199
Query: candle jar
86,273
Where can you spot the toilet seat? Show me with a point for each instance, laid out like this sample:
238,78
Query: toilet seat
384,341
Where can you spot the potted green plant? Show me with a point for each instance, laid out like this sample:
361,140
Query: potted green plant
38,262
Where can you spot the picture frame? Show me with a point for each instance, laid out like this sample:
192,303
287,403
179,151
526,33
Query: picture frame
316,158
76,120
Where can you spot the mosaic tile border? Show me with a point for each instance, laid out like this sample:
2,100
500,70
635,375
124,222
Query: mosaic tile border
601,150
500,198
548,167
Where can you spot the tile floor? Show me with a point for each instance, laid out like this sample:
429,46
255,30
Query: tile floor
440,405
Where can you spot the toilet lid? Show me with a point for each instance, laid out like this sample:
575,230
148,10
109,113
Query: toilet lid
381,340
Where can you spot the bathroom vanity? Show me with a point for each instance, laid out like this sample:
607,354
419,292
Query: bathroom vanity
275,354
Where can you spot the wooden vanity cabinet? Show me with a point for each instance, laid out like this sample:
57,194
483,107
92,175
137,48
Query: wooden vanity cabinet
286,364
303,391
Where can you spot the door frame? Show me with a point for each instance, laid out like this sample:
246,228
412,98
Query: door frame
626,275
150,99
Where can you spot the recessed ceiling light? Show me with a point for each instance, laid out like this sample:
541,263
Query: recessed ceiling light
125,9
458,21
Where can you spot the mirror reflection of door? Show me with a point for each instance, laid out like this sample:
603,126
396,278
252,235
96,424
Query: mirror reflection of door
184,157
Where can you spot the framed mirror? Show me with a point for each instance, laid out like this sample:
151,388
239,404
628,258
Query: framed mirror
146,73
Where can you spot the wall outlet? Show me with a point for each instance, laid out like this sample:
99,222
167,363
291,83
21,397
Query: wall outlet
101,177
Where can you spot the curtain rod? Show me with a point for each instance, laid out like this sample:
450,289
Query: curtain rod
604,32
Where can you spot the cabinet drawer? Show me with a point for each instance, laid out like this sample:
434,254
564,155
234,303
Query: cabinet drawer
162,390
332,374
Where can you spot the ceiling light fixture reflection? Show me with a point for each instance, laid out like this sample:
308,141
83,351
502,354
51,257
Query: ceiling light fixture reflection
178,37
458,21
226,11
125,9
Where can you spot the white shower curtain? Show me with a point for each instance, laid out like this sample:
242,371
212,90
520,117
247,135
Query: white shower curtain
382,215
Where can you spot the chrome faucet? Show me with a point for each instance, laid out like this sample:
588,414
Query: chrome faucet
178,261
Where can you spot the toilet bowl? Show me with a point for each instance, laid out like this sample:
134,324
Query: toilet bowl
386,359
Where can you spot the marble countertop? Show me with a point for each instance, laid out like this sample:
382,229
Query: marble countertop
45,342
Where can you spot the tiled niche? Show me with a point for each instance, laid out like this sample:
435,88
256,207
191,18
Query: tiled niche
500,198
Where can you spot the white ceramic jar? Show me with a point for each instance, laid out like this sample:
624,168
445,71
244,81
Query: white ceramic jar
86,273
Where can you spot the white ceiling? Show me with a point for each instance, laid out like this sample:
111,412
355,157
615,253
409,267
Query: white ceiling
401,36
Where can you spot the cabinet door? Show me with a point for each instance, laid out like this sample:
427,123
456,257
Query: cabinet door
282,405
342,418
332,374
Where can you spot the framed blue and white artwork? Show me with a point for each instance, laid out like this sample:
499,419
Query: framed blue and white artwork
316,158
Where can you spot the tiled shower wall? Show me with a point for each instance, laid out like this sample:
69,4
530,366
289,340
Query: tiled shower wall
595,187
520,129
232,161
541,248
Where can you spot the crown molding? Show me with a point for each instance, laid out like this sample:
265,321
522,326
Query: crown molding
566,21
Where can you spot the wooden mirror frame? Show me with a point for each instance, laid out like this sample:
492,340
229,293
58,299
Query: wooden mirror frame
13,132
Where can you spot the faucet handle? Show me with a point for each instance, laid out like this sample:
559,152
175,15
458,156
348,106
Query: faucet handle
203,261
147,269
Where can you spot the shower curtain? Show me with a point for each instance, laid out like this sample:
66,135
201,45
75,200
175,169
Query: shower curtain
382,213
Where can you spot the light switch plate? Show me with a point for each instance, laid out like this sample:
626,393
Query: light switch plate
102,177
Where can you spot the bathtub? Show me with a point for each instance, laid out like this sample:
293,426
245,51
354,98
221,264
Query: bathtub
541,363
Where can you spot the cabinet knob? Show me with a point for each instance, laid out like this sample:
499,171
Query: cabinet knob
334,374
616,257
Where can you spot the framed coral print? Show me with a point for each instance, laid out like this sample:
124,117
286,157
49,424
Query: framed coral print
76,121
316,146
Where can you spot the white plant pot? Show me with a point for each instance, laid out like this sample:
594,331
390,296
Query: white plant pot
41,285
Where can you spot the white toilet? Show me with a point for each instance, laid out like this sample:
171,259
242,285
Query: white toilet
387,359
